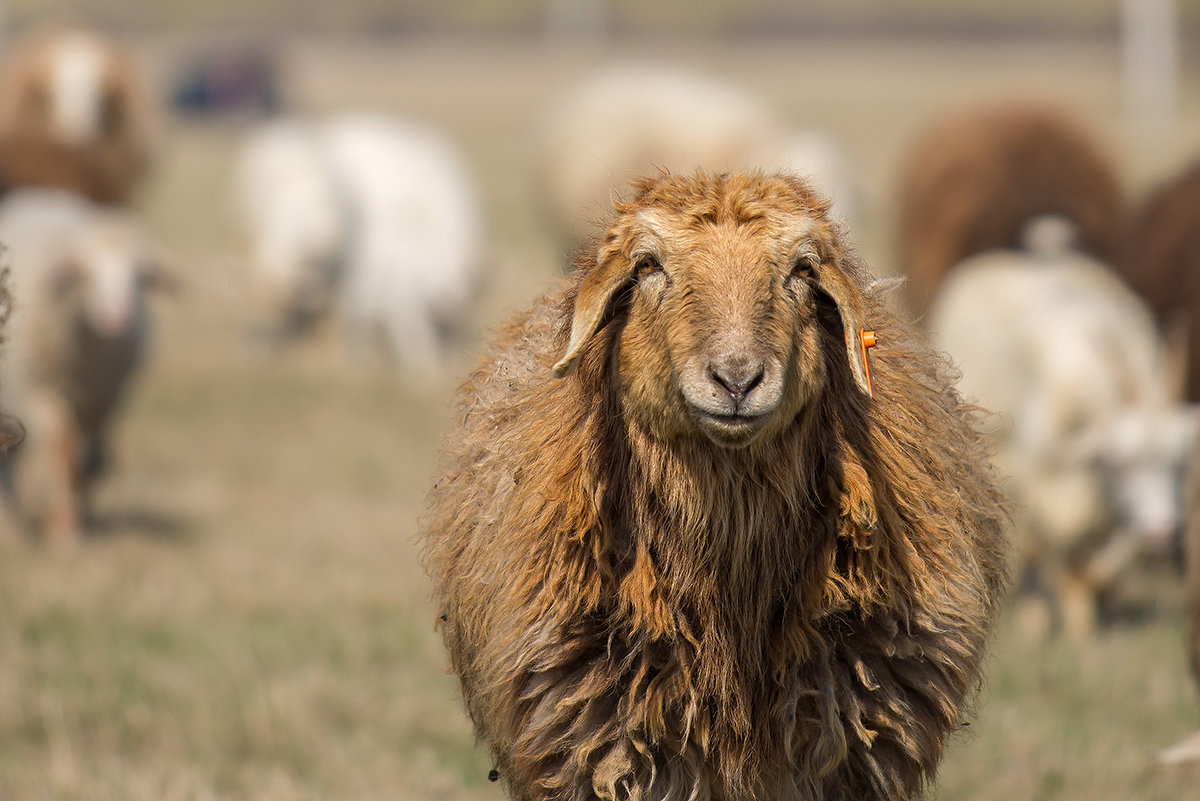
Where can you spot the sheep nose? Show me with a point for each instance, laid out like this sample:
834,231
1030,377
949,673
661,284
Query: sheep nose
737,377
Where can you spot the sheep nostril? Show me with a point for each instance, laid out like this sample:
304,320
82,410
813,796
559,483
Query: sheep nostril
754,381
738,382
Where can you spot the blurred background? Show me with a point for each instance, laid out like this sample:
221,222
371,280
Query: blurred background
237,610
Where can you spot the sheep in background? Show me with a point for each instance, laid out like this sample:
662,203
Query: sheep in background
629,120
74,114
76,339
1161,261
370,215
1089,431
725,554
973,180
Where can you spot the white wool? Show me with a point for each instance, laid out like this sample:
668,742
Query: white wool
1087,428
630,120
376,215
52,236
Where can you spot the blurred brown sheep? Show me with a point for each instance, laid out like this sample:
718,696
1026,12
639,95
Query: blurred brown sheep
74,114
1161,261
973,181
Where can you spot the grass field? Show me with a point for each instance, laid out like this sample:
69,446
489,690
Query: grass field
251,622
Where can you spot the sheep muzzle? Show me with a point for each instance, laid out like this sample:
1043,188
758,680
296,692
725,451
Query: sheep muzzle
731,395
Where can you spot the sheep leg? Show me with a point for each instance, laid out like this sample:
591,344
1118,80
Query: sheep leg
93,462
1183,752
1110,561
60,472
1076,600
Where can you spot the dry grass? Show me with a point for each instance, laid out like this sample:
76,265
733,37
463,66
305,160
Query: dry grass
251,621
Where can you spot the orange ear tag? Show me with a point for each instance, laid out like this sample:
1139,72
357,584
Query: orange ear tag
867,340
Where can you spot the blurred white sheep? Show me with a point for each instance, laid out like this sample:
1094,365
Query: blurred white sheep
629,120
1088,426
369,215
77,336
75,113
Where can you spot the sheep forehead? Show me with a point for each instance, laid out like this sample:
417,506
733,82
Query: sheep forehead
726,264
106,254
109,259
76,71
736,196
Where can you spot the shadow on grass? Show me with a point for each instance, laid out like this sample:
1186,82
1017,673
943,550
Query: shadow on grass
150,524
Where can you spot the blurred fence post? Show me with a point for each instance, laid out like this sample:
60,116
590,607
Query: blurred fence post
577,20
1149,44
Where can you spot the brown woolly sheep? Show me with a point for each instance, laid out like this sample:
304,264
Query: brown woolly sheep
973,180
1161,261
74,114
707,563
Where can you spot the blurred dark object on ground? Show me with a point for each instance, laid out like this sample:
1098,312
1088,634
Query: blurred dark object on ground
228,79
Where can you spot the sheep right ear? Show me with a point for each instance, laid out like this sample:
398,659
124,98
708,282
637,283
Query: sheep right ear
595,293
841,290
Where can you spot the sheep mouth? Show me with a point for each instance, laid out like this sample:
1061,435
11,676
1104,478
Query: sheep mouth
730,430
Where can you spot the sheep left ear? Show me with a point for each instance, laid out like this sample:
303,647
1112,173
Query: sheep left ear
849,301
591,303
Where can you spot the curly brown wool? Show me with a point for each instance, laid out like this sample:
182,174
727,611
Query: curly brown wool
705,563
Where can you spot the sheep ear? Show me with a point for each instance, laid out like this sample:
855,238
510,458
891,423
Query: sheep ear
849,301
591,303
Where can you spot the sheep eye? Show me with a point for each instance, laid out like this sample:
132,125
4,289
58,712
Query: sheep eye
804,266
646,265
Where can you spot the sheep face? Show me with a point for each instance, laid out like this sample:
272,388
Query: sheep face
730,290
1143,455
107,268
